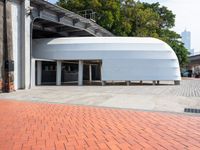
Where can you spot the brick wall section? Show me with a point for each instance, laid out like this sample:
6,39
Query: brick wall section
1,43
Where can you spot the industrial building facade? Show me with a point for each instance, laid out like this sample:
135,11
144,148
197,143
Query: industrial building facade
24,20
24,62
83,60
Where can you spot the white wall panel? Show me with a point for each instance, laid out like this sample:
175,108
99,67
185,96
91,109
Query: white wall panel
130,69
16,26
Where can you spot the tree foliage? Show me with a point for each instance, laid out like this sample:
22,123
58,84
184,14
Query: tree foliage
133,18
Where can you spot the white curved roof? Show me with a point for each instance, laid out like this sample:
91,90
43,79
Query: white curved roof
75,40
100,48
136,56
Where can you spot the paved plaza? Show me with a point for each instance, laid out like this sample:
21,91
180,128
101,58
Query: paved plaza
39,126
164,97
101,117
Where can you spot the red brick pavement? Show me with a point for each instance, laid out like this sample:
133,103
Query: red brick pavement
25,125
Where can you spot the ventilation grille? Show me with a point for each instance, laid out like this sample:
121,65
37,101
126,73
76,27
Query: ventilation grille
191,110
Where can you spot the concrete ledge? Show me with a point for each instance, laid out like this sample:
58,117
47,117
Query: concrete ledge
103,83
128,83
177,82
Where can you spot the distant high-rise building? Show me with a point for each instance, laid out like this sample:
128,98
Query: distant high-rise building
186,39
192,52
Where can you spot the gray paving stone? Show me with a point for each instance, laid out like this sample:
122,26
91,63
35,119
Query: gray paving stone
163,97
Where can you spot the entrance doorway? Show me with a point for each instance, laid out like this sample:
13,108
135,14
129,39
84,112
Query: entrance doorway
47,72
92,72
69,72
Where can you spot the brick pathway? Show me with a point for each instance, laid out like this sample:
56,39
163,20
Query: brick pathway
25,125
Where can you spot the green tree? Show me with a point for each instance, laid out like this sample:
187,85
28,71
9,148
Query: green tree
173,39
166,22
131,18
167,18
108,11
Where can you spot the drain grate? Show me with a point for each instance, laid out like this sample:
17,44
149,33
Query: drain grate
191,110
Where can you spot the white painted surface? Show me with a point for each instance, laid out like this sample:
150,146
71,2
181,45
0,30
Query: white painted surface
90,72
26,44
39,72
123,58
58,73
33,62
16,24
80,72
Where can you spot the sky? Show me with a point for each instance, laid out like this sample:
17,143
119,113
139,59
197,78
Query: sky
187,17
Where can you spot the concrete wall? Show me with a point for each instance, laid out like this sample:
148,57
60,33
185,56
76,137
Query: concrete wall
6,47
26,44
1,42
140,69
17,40
9,75
21,37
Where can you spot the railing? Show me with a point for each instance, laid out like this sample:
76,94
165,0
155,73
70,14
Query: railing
89,14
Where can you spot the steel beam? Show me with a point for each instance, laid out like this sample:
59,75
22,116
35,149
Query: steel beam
47,11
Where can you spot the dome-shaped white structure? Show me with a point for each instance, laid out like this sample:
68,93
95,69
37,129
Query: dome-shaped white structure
123,58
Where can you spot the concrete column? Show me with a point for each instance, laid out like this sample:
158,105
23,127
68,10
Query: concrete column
103,83
80,72
39,72
26,44
128,83
193,69
90,73
1,42
101,65
177,82
58,72
32,72
7,51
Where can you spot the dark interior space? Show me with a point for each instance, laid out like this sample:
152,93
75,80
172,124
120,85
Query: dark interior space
48,72
69,72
